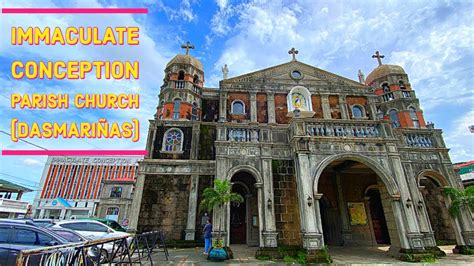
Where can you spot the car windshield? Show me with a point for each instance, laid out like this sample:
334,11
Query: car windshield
116,226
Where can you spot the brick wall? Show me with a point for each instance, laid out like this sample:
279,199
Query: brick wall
334,105
281,109
317,107
164,205
286,203
262,116
351,100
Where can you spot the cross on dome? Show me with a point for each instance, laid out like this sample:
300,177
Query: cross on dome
187,46
379,57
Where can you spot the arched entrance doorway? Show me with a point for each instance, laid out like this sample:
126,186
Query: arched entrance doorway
243,218
356,206
438,214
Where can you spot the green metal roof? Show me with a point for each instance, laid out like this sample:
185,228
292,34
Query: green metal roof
466,169
12,187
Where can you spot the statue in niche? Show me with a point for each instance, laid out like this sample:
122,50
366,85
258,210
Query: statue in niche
299,101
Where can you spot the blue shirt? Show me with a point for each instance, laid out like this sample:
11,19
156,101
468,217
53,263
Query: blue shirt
207,231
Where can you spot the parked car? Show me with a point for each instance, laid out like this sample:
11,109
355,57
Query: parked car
19,235
90,229
93,230
110,223
43,222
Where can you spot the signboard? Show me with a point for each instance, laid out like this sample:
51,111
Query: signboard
357,213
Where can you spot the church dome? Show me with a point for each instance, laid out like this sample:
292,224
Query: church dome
186,60
382,71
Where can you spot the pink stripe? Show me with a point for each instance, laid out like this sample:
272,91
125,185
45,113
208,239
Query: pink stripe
75,10
74,152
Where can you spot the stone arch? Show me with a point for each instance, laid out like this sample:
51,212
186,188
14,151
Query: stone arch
439,178
245,168
307,97
389,183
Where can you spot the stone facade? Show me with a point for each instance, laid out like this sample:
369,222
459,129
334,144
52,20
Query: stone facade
320,149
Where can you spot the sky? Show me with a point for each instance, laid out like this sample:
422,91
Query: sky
431,40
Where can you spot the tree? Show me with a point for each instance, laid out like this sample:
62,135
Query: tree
460,198
218,196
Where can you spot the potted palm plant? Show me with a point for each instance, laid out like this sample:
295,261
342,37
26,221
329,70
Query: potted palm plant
218,197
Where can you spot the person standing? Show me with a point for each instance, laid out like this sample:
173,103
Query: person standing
207,232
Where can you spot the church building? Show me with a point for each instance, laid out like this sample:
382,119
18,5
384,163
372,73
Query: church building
320,159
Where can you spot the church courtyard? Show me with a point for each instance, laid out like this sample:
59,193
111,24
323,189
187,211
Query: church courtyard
340,255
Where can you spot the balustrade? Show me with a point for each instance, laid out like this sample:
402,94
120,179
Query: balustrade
343,130
388,97
179,84
243,134
418,140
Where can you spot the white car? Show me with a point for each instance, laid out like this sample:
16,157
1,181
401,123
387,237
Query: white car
90,229
94,230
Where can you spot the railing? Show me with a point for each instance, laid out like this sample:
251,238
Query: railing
118,250
419,140
243,134
13,204
406,94
348,130
196,89
388,97
179,84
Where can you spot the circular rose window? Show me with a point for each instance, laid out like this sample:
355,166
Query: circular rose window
296,74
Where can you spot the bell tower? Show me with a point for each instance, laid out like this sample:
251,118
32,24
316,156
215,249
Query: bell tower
180,95
399,104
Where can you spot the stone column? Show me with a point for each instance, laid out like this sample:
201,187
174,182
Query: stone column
406,205
192,205
261,218
136,203
325,106
312,236
253,107
62,215
41,213
271,107
269,234
346,228
223,107
343,107
195,142
372,100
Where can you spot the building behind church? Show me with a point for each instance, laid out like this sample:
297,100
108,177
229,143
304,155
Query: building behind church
319,159
85,186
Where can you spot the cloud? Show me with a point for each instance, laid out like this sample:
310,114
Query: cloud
460,139
33,162
185,11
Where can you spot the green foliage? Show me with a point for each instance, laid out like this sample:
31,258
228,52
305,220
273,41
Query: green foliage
263,257
430,258
219,195
445,242
288,259
460,198
408,257
467,251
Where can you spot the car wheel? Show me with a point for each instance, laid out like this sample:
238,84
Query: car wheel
104,256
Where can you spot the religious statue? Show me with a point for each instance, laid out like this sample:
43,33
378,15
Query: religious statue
299,101
225,71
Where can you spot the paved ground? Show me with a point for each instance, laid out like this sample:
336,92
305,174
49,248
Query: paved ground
340,255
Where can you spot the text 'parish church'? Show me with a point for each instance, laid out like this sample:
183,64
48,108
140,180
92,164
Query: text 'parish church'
319,159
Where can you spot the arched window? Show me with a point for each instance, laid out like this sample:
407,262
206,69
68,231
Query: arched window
173,140
113,211
357,111
385,87
181,75
176,108
393,114
401,84
238,107
196,79
116,192
414,117
194,112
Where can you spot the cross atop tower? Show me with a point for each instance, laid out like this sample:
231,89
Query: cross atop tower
379,57
293,52
187,46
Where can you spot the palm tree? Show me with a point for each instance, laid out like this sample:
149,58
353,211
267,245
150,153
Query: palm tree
460,198
218,196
